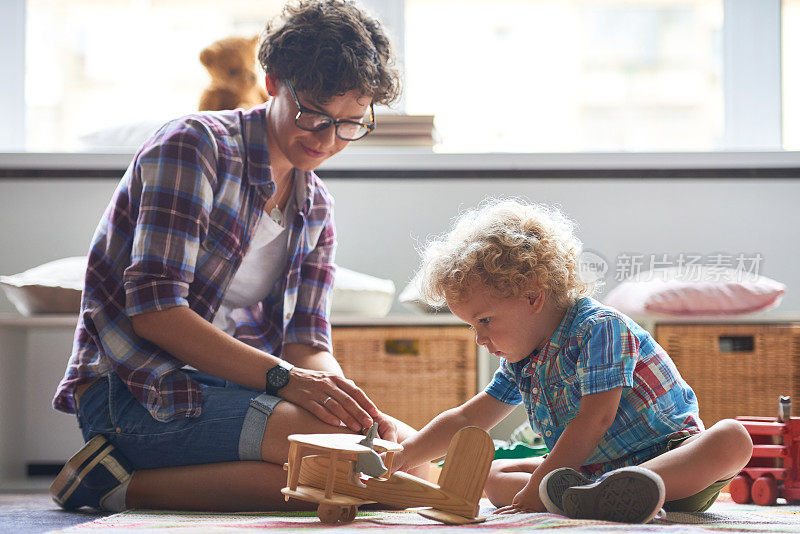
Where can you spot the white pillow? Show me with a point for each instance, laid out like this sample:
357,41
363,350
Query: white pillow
361,294
411,299
53,287
129,136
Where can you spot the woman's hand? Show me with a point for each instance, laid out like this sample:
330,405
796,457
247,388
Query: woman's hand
334,399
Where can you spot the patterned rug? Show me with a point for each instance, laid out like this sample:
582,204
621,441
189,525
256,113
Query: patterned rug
724,516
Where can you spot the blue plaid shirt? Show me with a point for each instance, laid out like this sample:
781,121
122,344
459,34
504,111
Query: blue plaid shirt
596,348
174,234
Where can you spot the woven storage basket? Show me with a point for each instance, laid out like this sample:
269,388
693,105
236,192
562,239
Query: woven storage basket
412,373
735,369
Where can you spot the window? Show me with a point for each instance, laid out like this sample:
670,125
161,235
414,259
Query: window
94,64
558,75
499,75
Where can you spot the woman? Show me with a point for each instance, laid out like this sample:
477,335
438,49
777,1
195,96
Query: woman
207,294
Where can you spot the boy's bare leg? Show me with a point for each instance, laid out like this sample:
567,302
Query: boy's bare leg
715,454
237,486
507,478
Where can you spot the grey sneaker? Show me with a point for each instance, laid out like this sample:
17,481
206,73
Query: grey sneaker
626,495
553,485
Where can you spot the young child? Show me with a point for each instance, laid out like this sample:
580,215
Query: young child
605,396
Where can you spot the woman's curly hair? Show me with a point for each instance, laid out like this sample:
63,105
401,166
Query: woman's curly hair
508,245
328,48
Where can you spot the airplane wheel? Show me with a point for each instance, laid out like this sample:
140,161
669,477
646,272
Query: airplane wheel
348,514
765,491
740,489
330,513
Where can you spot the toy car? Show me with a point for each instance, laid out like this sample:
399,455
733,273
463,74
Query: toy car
774,469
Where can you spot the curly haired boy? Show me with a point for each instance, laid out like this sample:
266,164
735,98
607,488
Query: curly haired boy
621,424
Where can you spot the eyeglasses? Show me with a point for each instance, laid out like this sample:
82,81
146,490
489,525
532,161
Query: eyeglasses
314,121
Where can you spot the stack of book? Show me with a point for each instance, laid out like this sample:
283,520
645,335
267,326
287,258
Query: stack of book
402,130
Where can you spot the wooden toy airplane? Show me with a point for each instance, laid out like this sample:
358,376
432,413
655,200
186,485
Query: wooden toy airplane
329,469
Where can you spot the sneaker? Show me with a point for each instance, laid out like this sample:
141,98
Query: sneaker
553,485
626,495
90,475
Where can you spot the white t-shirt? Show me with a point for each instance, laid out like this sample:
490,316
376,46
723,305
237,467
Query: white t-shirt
262,265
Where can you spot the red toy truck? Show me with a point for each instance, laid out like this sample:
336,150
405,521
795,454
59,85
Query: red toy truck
774,469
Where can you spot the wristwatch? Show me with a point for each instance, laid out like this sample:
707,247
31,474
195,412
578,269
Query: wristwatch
278,377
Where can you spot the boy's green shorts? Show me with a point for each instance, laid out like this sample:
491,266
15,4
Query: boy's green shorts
700,501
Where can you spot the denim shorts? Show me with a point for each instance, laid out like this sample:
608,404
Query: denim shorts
230,427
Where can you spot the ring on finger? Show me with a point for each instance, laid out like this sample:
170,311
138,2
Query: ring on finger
326,400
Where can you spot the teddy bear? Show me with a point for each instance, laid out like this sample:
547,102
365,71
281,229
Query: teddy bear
231,62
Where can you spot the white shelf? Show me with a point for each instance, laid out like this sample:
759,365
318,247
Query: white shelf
649,322
438,319
49,320
405,158
68,320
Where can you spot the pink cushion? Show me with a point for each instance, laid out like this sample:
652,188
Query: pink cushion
705,291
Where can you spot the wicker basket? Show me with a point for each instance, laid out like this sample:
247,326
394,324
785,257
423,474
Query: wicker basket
735,369
412,373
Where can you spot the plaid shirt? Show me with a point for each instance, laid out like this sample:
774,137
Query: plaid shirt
174,234
595,349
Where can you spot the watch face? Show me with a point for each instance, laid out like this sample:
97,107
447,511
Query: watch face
277,377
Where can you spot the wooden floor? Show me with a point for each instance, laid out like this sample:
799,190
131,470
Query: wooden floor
36,512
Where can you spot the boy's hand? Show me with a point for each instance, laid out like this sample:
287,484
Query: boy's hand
397,462
386,428
526,501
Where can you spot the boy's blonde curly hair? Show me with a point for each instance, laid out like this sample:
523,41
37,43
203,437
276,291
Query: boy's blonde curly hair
508,245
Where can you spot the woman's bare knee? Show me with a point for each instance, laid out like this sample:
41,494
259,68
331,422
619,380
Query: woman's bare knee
285,420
